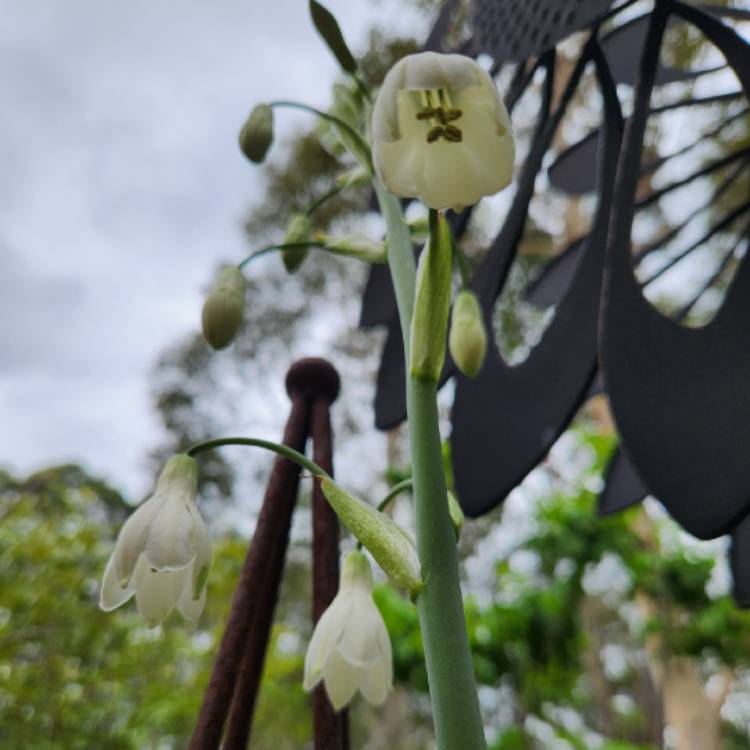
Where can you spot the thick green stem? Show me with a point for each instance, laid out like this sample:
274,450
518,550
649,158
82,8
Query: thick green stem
458,722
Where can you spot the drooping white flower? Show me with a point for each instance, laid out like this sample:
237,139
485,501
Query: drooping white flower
441,131
350,648
163,552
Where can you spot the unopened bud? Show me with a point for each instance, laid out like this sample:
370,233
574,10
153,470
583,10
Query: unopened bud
329,29
256,135
385,540
356,246
467,340
297,231
432,302
224,308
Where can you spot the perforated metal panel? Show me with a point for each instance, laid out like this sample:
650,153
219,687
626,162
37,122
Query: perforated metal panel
678,392
516,29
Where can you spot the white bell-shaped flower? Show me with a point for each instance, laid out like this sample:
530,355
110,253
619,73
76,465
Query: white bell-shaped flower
350,648
163,552
441,131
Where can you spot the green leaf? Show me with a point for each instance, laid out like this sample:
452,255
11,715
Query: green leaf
328,28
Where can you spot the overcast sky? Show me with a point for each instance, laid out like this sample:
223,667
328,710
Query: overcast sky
121,187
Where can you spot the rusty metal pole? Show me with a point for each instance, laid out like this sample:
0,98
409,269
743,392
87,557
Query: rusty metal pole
330,728
250,598
318,382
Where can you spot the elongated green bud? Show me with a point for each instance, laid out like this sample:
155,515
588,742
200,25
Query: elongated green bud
329,29
467,340
355,246
456,514
432,302
256,135
385,540
297,231
224,308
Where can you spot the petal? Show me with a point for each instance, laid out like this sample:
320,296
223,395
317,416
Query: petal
435,70
400,166
461,173
203,554
377,682
132,539
379,679
341,679
170,541
158,592
384,113
327,632
112,594
190,607
358,642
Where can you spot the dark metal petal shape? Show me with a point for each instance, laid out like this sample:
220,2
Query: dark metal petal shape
679,395
506,419
512,30
549,287
623,487
390,395
378,299
574,170
623,47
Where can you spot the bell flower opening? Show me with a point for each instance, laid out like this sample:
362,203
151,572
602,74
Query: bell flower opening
163,552
350,648
441,131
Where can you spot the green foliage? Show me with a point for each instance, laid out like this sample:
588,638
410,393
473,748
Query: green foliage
74,677
543,631
512,739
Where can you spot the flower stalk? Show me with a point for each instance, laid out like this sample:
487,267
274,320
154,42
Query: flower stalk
458,721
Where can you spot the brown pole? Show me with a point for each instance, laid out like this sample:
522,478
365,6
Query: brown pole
269,543
314,380
330,728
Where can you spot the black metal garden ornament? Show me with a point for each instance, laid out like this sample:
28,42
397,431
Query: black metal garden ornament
680,394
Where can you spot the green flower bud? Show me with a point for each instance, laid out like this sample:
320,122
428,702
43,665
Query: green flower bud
467,340
224,308
432,302
456,514
297,231
355,245
387,542
329,29
256,135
